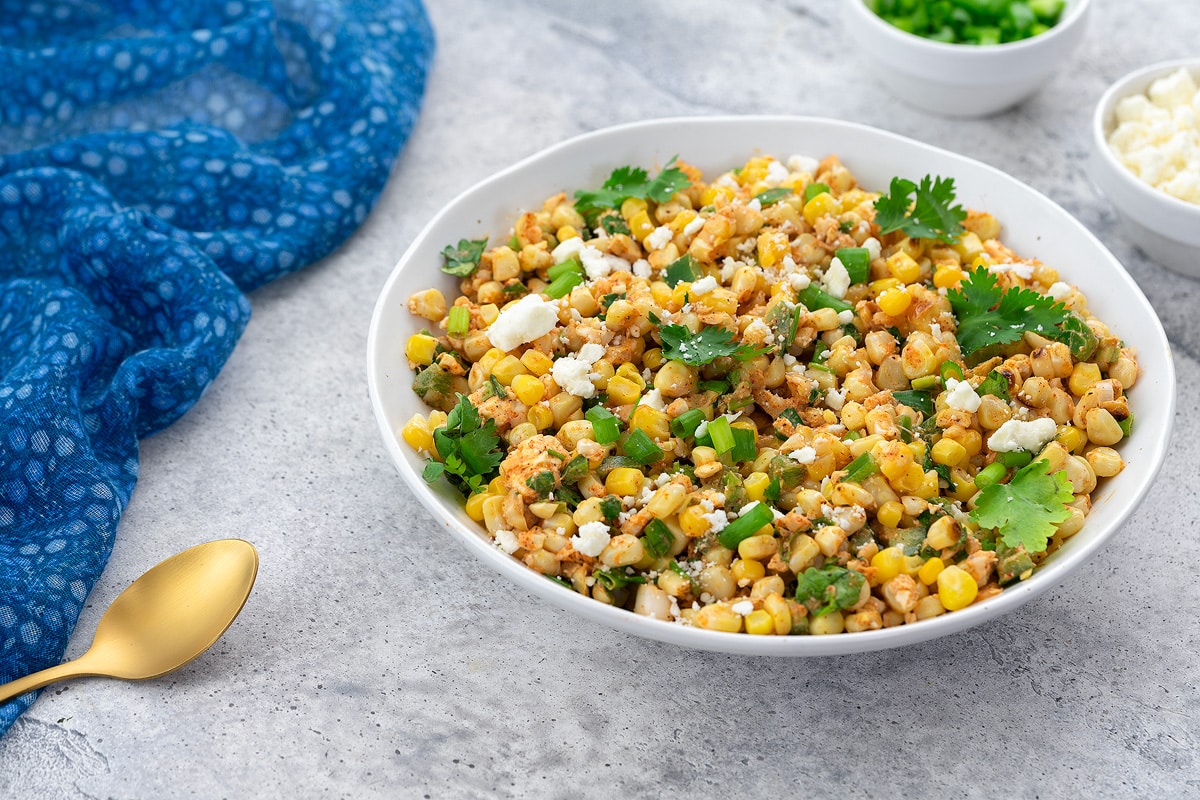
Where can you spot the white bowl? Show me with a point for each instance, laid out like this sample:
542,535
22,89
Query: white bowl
1033,225
962,80
1165,227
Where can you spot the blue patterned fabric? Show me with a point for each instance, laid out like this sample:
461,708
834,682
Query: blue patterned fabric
158,160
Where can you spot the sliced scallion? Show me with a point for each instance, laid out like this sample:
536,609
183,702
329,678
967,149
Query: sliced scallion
752,518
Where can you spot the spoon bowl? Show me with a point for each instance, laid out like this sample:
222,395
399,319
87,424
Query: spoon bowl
165,619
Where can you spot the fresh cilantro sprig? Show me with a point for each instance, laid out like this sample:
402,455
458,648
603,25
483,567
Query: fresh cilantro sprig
469,447
626,182
988,314
1025,510
461,261
828,589
928,215
698,349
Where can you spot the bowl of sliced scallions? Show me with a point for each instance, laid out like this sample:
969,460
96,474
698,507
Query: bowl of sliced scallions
966,58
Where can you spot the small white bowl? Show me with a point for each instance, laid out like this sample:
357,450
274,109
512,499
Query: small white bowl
1166,228
1033,225
963,80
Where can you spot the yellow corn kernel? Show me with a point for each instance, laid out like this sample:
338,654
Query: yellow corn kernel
622,391
718,617
655,423
692,521
604,372
1084,376
894,302
508,368
883,284
748,570
420,348
760,623
633,206
652,358
541,417
888,563
490,359
640,225
717,301
780,613
928,488
1071,438
430,304
662,294
566,232
968,246
930,570
889,514
418,434
949,452
710,195
903,267
629,370
756,483
917,448
947,277
956,588
625,482
493,513
682,220
475,506
528,388
537,362
496,486
772,247
489,312
819,206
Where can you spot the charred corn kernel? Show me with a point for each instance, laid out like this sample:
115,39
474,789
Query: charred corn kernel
420,348
717,301
781,615
682,220
1071,438
888,563
692,521
819,206
496,486
566,232
760,623
1105,461
655,423
629,370
508,368
756,483
529,390
625,482
883,284
947,277
541,417
537,362
475,506
667,500
1084,376
968,246
929,606
429,304
948,452
623,391
956,588
894,302
418,434
718,617
943,533
489,312
903,267
772,247
747,570
889,514
930,570
652,358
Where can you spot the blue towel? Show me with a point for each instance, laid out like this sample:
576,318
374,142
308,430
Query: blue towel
158,160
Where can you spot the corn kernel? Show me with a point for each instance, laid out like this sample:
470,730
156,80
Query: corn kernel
489,312
748,570
475,506
780,613
756,484
490,359
890,513
640,225
948,277
625,482
930,570
968,246
1084,376
420,348
633,206
629,370
819,206
1071,438
529,389
894,302
541,417
949,452
623,391
692,521
888,563
710,195
903,267
760,623
682,220
652,358
883,284
772,247
508,368
566,232
718,617
496,486
956,588
418,434
537,362
655,423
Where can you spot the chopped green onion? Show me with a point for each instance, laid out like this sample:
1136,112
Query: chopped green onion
562,285
1126,424
950,369
991,474
745,445
926,382
921,401
605,425
616,578
814,298
657,538
851,436
771,196
570,265
857,261
720,387
681,269
685,424
641,448
773,490
721,433
814,189
514,243
819,351
860,469
1016,459
752,518
905,424
459,321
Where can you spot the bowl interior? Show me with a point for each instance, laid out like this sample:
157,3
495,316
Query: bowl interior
1033,225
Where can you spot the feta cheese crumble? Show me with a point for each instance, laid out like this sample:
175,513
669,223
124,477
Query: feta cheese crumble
961,396
703,286
1158,135
574,373
693,227
836,279
743,607
507,541
525,320
653,399
659,238
1059,291
1018,434
805,455
591,539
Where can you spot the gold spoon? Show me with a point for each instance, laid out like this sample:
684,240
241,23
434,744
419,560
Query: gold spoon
165,619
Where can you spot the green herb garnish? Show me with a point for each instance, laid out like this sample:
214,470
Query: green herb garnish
929,216
698,349
989,315
626,182
681,269
768,197
461,261
827,589
1026,510
657,538
469,448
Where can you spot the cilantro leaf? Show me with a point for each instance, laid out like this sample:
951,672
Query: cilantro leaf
989,315
626,182
994,384
613,223
698,349
828,589
469,448
1025,511
929,216
461,261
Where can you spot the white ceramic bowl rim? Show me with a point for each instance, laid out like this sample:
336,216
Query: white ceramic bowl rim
1171,216
1048,575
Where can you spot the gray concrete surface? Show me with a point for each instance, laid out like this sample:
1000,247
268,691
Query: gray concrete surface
375,659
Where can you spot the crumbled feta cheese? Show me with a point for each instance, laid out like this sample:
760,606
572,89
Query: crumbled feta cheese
659,238
776,173
960,395
836,279
653,399
1017,434
728,267
567,248
703,286
803,164
1158,138
701,429
789,360
874,248
835,399
1060,291
525,320
728,181
507,541
845,317
591,539
742,607
1024,271
574,373
717,521
799,281
641,268
805,455
755,204
598,265
693,227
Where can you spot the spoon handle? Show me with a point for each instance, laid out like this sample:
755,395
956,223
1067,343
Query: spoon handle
69,669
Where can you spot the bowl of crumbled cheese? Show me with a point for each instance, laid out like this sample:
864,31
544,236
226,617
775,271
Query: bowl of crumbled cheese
1146,159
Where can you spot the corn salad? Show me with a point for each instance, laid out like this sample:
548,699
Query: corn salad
739,404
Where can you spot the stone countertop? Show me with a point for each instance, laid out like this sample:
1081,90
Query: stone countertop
377,658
